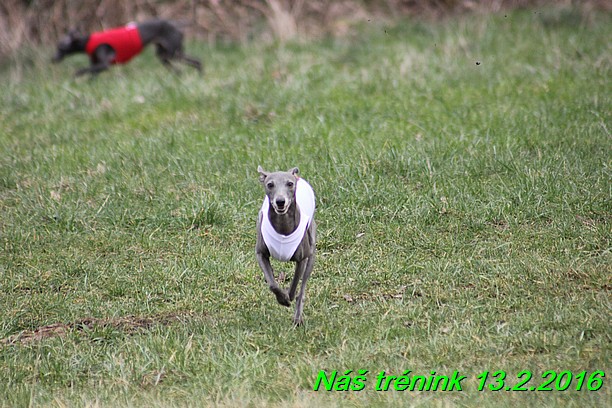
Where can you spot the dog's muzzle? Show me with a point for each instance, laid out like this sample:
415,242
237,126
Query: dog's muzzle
280,206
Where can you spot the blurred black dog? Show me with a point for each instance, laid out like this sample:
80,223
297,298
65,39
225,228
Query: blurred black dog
119,45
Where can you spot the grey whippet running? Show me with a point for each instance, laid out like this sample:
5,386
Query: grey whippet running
286,230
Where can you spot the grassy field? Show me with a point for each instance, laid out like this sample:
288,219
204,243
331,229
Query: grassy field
463,177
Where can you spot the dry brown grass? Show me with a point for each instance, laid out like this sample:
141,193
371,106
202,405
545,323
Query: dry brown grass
44,21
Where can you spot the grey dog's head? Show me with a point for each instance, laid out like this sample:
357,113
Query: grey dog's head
279,187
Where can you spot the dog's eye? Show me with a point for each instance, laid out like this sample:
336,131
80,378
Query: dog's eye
290,184
270,185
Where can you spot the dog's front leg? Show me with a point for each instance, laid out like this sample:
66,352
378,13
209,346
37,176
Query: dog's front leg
93,69
101,60
266,267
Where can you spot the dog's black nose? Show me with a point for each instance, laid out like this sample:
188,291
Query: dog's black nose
280,202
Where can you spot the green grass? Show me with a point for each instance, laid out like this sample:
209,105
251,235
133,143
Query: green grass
464,218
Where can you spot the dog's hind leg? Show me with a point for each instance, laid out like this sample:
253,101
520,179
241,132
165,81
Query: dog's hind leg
191,61
299,303
168,64
299,272
165,56
307,270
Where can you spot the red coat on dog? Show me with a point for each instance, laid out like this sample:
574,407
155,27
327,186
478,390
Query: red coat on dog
125,41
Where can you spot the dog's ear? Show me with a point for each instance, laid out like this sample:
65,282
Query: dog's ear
77,31
295,171
262,174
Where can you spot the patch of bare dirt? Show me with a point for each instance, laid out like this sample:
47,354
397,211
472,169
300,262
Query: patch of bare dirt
128,324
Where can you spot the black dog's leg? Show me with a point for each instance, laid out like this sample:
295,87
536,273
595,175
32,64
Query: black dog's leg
191,61
171,48
93,69
168,64
165,56
101,60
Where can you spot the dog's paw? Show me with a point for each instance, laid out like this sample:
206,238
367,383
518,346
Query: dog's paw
281,296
